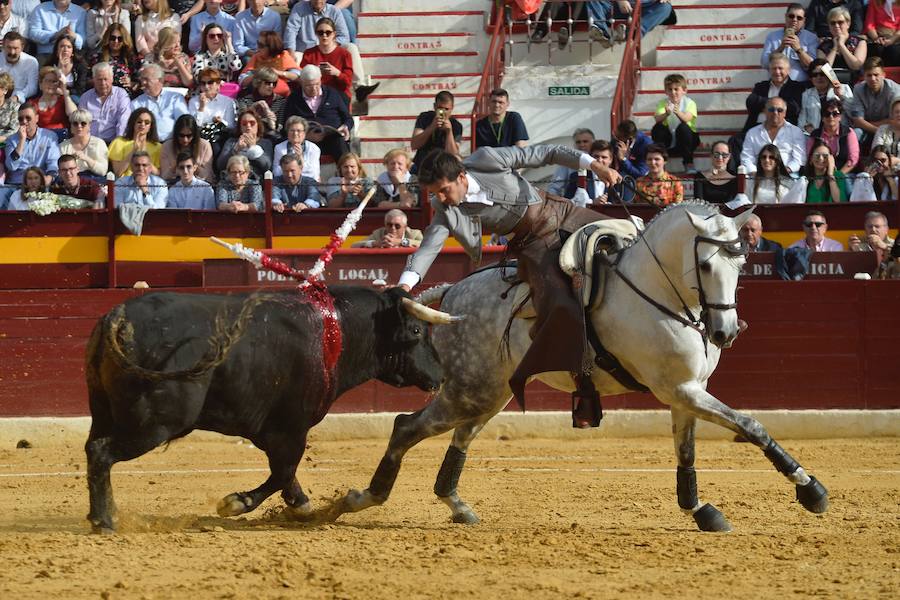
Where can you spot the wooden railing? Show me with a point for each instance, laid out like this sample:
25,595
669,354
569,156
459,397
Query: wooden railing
629,72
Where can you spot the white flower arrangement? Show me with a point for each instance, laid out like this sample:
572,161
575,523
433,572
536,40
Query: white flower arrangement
46,203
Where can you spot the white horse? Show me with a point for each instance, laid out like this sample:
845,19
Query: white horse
665,315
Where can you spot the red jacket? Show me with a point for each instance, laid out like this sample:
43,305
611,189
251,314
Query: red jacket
338,58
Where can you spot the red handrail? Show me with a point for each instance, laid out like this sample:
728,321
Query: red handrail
491,75
626,86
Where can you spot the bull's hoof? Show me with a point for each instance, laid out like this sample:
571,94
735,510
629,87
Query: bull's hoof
302,512
813,496
708,518
466,517
234,504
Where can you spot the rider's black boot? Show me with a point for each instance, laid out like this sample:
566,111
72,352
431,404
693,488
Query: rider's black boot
586,409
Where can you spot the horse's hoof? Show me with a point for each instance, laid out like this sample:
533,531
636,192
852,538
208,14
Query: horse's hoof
708,518
233,505
813,496
303,512
466,517
99,529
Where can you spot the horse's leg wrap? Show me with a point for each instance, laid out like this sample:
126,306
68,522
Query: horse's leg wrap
451,469
708,518
813,496
687,488
781,459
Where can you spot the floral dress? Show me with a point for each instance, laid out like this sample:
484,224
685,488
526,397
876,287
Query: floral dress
9,116
661,191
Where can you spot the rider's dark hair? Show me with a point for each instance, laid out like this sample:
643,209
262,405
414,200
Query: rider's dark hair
439,164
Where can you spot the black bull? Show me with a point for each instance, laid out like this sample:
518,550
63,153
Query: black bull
164,364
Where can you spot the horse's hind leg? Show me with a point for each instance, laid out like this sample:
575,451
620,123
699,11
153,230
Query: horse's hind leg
451,469
707,516
810,493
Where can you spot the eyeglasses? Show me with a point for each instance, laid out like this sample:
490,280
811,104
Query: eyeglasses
817,74
794,17
833,113
116,38
186,134
766,157
820,156
775,109
237,172
214,36
324,32
811,224
721,154
836,22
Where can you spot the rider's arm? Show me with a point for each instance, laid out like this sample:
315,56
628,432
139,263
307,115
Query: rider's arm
499,160
432,244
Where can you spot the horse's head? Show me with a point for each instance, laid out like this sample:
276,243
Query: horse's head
718,254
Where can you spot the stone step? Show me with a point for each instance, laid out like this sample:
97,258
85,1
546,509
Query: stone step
713,35
398,126
431,21
708,56
420,43
413,104
718,12
411,64
376,6
705,78
429,83
707,100
718,120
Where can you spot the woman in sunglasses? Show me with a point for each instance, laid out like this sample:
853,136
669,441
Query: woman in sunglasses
217,52
822,89
333,60
840,138
103,14
186,138
140,135
826,183
116,49
716,185
270,52
772,180
90,152
879,169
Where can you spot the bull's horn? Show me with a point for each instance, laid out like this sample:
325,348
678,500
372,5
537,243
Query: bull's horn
429,315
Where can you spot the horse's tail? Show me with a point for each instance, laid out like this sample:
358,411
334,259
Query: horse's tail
434,295
225,334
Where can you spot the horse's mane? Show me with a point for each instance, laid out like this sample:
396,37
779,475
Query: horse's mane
700,208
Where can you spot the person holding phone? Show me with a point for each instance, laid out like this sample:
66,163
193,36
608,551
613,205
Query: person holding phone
797,44
436,129
333,60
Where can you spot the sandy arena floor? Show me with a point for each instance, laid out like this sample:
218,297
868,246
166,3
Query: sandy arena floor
592,519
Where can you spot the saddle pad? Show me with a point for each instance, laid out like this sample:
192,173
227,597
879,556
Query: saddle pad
577,255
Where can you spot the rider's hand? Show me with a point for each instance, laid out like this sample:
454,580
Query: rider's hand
609,176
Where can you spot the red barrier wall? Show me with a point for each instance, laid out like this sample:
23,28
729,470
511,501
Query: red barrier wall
811,344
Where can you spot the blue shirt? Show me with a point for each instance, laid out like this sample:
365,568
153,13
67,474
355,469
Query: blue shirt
109,118
40,151
808,42
46,21
306,192
128,193
247,28
198,195
24,8
300,31
166,109
201,20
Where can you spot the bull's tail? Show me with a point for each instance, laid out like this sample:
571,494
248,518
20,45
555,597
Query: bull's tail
225,334
433,295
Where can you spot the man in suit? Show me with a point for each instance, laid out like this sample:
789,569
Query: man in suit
788,89
326,111
485,194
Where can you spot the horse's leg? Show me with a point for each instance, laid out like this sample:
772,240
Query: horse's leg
810,493
451,469
707,516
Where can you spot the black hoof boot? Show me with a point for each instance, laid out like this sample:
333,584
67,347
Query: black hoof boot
586,409
813,496
708,518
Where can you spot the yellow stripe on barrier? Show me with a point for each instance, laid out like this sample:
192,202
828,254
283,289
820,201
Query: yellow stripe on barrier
37,250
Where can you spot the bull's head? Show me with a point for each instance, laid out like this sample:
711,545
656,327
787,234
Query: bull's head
404,350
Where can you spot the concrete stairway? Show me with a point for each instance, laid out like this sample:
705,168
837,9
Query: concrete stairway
717,46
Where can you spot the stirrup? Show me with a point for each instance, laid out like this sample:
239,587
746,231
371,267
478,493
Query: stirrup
587,411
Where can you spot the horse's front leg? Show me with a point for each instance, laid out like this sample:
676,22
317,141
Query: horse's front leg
694,399
707,516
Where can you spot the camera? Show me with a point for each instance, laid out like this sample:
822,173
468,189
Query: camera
442,113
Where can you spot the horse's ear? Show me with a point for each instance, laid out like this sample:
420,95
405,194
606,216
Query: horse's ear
742,218
696,221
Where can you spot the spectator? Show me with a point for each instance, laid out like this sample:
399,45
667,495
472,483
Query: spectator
142,187
250,23
752,233
108,105
24,8
71,67
212,14
349,188
716,185
595,189
798,45
346,8
90,152
676,121
653,13
844,51
297,144
436,129
882,28
54,105
22,67
165,105
270,106
813,97
775,130
872,99
884,180
659,187
601,11
217,52
630,147
271,53
826,183
876,238
175,64
103,14
186,139
117,52
780,85
501,127
9,107
333,60
396,186
295,191
155,16
31,146
237,193
817,15
559,182
396,233
840,139
215,112
816,226
34,180
888,135
325,110
53,20
140,136
189,191
10,21
250,142
70,182
772,181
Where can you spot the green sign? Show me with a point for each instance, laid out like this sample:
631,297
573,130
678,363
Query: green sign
569,90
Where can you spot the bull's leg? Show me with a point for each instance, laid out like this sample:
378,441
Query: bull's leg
707,516
694,399
451,469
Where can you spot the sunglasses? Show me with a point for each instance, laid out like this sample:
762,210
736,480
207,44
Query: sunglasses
721,154
324,32
766,157
214,36
796,17
208,82
836,22
833,113
775,109
817,74
816,224
820,156
185,134
116,38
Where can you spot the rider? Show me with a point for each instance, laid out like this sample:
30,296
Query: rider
485,194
